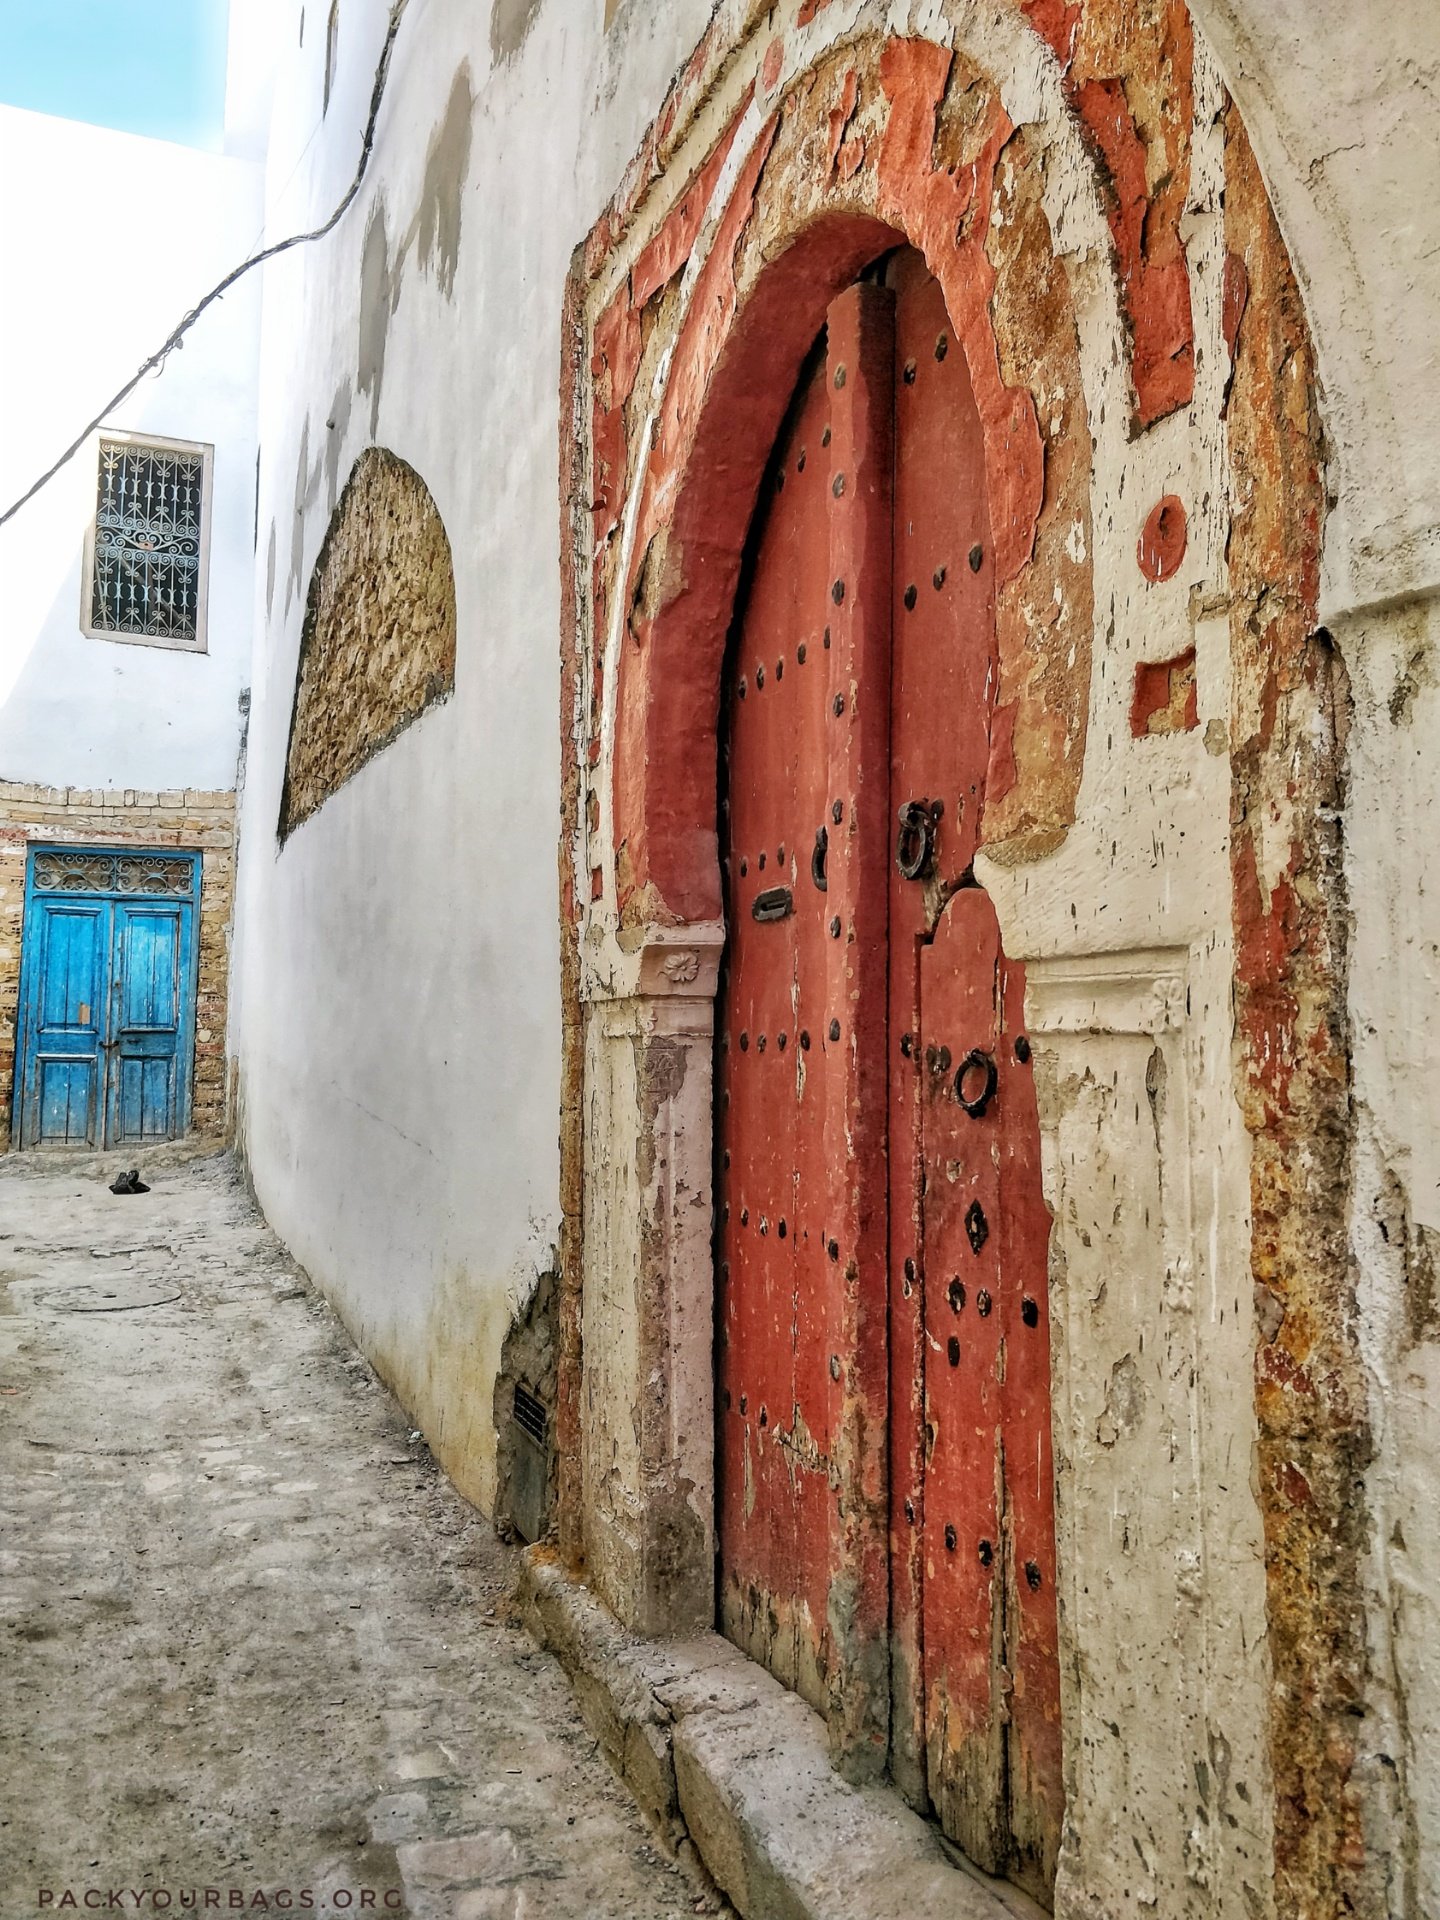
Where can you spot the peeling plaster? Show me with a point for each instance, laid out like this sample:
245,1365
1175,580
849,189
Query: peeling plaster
1119,844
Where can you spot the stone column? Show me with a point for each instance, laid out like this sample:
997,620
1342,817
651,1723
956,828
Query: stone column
647,1400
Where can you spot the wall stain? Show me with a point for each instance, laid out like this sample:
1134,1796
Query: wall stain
433,233
447,162
307,483
510,22
337,424
377,303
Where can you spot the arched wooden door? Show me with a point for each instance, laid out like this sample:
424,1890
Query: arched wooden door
883,1234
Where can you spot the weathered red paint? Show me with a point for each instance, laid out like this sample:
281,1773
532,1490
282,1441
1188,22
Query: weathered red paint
946,216
1166,698
1290,928
801,1365
863,680
656,265
1103,68
1163,539
717,421
963,1420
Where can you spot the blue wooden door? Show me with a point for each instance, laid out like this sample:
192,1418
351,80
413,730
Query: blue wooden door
107,998
68,944
146,1043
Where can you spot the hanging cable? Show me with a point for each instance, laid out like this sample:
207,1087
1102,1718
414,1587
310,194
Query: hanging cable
163,352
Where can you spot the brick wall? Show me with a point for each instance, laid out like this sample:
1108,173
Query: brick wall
200,822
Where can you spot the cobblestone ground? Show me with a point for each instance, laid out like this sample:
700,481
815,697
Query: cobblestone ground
256,1650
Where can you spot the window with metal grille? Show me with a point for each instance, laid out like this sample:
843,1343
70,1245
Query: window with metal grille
147,549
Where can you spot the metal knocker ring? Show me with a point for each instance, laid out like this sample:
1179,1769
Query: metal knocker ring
986,1064
817,859
915,842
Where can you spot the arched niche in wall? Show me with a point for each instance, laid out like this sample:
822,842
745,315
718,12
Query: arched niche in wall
378,644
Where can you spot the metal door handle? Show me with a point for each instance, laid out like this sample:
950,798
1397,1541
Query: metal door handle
915,842
976,1061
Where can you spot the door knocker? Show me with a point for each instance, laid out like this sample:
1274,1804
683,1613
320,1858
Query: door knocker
915,842
976,1063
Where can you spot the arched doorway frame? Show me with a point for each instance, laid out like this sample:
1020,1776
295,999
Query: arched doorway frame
669,415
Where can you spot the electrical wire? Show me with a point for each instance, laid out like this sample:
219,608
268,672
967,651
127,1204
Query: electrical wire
217,292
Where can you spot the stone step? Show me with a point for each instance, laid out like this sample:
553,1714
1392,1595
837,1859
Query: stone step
724,1759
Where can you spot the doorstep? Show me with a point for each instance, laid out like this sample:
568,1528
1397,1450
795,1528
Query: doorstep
724,1759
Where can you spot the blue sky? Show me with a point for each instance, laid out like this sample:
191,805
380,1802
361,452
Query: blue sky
144,66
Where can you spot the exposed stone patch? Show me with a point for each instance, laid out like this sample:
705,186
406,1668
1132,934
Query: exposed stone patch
378,644
1288,709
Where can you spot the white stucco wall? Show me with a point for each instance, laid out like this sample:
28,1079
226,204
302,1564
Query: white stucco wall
398,988
107,240
1340,101
1341,104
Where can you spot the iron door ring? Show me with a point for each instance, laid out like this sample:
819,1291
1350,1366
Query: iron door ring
915,842
985,1062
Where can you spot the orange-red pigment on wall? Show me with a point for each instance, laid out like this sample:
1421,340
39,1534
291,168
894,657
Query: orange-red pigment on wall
1128,73
1163,539
1165,696
930,177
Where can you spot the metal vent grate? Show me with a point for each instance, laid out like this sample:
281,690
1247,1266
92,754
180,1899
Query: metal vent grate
530,1415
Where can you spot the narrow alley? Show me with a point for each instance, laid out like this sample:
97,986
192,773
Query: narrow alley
254,1641
719,733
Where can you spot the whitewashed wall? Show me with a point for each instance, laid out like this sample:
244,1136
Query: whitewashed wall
398,989
1341,103
107,240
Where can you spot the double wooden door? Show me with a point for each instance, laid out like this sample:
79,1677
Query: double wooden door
883,1234
107,998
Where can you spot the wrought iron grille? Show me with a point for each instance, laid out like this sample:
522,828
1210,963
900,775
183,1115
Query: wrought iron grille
113,873
146,578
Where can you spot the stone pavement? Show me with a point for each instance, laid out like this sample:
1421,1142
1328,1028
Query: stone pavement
255,1647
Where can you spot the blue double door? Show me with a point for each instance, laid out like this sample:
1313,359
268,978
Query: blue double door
107,1024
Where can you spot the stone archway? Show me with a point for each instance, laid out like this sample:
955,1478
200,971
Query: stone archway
1123,334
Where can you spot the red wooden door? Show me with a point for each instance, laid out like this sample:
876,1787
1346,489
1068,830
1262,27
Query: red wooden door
885,1481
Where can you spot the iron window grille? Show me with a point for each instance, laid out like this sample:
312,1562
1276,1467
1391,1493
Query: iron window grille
147,555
